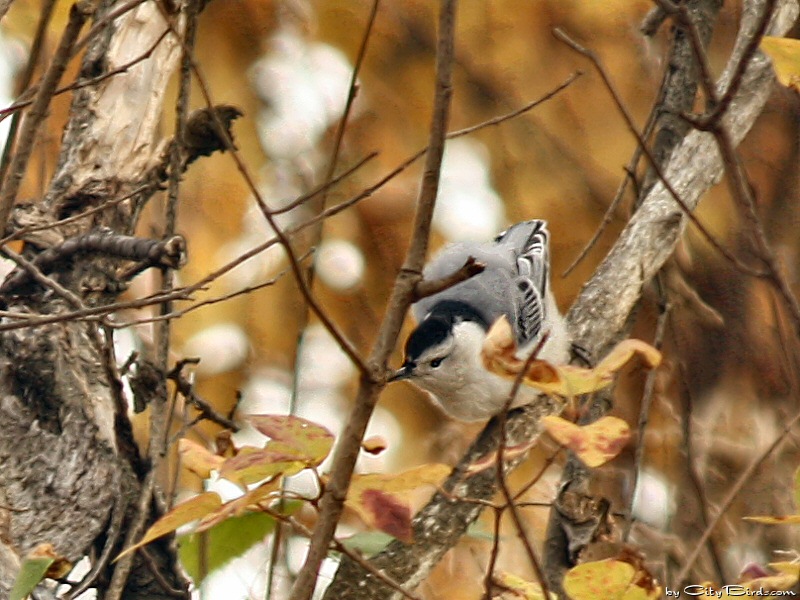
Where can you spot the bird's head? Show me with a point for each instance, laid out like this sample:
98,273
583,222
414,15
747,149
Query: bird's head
440,353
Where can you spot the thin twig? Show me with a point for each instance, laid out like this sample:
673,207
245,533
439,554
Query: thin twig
207,411
644,408
501,468
112,534
161,407
185,293
101,24
77,85
426,287
740,187
696,478
325,186
488,579
134,532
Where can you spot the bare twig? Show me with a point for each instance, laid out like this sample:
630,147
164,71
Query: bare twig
696,479
426,288
325,186
168,252
644,410
283,239
737,176
186,389
77,85
502,466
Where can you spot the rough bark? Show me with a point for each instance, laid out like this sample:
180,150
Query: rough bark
70,475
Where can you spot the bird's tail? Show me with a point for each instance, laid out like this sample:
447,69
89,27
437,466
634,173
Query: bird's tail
530,241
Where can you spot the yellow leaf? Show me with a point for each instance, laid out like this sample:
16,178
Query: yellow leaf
251,465
595,444
607,580
785,55
309,439
781,520
521,588
198,459
500,357
788,568
186,512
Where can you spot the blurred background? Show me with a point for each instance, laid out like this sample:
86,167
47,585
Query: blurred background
729,382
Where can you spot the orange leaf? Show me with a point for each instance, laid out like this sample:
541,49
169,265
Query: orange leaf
185,512
595,444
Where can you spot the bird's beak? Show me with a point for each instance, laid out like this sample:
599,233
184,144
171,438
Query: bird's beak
403,372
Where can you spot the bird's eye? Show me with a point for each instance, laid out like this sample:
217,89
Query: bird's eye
436,362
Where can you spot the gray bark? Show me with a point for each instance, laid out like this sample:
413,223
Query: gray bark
70,475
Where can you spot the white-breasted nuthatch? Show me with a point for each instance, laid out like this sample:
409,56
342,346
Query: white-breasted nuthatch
443,353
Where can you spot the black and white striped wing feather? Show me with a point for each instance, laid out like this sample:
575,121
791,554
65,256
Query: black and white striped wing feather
532,278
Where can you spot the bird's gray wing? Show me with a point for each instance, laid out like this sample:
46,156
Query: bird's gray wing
487,291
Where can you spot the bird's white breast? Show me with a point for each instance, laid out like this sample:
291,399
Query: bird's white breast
464,388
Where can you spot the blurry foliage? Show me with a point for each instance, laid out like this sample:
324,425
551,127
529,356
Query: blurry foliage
562,162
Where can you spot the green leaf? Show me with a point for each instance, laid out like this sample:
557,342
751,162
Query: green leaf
368,542
222,543
30,575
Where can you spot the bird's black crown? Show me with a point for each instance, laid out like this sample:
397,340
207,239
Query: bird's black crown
435,327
